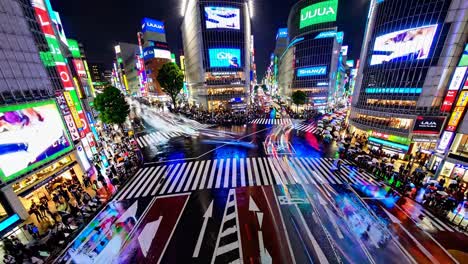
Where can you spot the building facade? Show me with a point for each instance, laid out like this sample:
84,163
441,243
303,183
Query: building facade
127,55
310,62
42,122
409,55
218,48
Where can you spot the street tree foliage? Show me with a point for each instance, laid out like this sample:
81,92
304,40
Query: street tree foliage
299,97
171,79
112,107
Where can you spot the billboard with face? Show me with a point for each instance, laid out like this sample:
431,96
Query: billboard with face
403,45
30,135
222,17
226,57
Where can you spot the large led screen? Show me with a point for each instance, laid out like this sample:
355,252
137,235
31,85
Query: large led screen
222,17
30,135
402,45
226,57
318,13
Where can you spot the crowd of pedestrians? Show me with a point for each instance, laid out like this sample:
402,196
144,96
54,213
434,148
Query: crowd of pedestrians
409,178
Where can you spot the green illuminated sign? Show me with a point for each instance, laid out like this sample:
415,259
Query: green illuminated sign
47,58
319,13
54,48
74,48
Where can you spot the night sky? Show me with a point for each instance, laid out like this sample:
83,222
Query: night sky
100,24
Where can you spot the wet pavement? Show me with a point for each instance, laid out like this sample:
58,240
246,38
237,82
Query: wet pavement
259,193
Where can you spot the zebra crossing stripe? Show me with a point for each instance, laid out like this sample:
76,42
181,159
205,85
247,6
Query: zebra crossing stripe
130,186
234,173
154,180
283,172
312,177
210,181
175,179
205,175
184,176
137,185
275,172
257,177
332,171
144,180
197,178
190,175
226,173
249,173
262,170
242,172
267,169
162,180
322,172
139,142
171,171
302,171
220,171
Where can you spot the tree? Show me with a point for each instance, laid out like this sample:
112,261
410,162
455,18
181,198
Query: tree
299,98
112,107
171,79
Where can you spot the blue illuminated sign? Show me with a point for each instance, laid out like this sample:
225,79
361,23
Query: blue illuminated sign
282,33
225,57
339,37
394,90
326,34
312,71
388,143
148,53
148,24
8,222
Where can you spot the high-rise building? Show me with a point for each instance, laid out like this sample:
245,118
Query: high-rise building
127,55
155,53
218,50
42,122
97,71
310,62
410,54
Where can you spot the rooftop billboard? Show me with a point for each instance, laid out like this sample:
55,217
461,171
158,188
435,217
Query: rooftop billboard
318,13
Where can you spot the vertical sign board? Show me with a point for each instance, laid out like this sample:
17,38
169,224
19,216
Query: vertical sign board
453,89
61,66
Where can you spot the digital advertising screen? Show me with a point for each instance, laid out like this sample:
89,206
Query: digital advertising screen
222,17
226,57
318,13
428,124
153,25
31,134
404,45
464,57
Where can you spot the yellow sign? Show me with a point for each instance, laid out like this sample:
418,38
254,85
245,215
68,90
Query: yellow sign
463,99
456,115
76,117
68,98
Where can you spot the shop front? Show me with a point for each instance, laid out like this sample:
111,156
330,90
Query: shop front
42,183
453,170
390,144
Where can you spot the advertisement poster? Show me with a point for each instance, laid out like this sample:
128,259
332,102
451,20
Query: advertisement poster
403,45
222,17
30,135
148,24
230,58
428,124
319,13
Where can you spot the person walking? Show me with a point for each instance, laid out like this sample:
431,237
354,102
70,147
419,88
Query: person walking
338,166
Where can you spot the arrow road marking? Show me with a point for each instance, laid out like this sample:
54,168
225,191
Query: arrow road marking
208,214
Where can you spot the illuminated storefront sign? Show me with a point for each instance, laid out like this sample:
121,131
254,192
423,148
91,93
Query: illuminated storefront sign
312,71
457,78
326,34
393,145
445,141
393,138
428,124
318,13
448,101
455,118
394,90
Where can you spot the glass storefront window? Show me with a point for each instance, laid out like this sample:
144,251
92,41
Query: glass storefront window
41,175
462,147
447,169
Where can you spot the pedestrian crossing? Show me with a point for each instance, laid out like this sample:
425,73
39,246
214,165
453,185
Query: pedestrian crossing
155,138
308,128
240,172
267,121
